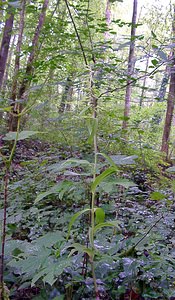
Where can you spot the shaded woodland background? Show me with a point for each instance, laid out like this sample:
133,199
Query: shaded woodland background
87,93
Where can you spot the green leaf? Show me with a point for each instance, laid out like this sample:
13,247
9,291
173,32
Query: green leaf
7,109
123,159
99,215
74,218
153,34
38,276
49,239
10,136
72,162
112,163
100,178
109,186
92,125
106,224
155,62
157,196
125,183
42,196
60,188
80,248
171,169
56,269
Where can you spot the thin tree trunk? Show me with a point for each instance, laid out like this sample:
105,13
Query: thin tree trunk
5,44
170,101
144,80
108,17
164,83
131,64
29,68
169,113
17,66
8,65
66,95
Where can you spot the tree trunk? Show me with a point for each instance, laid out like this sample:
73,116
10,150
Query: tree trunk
5,88
131,64
170,101
66,95
169,112
29,68
164,83
108,17
144,80
17,66
5,44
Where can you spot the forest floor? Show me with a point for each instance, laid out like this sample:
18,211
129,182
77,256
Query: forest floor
143,206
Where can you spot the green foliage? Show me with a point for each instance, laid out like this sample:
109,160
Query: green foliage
71,207
10,136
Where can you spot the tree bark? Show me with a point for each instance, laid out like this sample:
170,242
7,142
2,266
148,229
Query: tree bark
29,67
131,64
170,101
108,17
5,44
164,83
144,80
16,68
66,95
169,112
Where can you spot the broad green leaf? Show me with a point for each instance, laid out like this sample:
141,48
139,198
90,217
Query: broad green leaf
60,188
10,136
110,186
42,196
171,169
56,269
112,163
80,248
92,125
125,183
101,177
73,162
106,224
99,215
123,159
74,218
49,239
38,276
157,196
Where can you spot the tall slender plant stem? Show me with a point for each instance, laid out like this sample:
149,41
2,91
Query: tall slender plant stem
6,179
94,106
93,218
